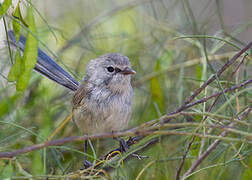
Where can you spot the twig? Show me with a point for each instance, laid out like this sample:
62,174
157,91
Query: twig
184,157
219,93
119,134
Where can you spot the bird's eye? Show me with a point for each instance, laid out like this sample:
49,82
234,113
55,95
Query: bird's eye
110,69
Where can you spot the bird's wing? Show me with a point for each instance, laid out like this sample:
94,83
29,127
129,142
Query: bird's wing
80,95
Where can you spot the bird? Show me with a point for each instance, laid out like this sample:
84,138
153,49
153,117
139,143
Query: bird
102,101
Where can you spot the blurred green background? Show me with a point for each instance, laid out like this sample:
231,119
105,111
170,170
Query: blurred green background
145,31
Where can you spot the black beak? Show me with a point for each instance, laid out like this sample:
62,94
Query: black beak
127,71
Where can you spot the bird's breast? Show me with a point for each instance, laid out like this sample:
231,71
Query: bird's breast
104,111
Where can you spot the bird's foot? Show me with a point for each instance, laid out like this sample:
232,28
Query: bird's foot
123,145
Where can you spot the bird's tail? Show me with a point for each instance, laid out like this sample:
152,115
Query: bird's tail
47,66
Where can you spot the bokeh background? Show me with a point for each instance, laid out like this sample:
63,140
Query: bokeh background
73,32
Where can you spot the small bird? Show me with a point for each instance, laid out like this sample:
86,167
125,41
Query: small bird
102,102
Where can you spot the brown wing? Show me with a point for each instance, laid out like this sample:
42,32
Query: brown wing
80,95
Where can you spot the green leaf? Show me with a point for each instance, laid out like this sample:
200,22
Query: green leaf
31,45
4,7
17,15
198,69
156,89
30,52
23,80
15,70
15,24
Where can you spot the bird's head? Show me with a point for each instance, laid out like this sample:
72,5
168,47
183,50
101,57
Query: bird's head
112,71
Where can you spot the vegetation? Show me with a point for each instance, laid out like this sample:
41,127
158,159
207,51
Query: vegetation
192,90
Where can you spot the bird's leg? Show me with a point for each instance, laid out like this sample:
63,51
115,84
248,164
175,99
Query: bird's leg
86,163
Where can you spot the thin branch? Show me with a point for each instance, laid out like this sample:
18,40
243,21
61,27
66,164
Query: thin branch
219,93
184,157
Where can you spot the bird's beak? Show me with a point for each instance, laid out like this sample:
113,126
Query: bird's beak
127,71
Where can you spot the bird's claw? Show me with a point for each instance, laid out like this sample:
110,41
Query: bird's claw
123,145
